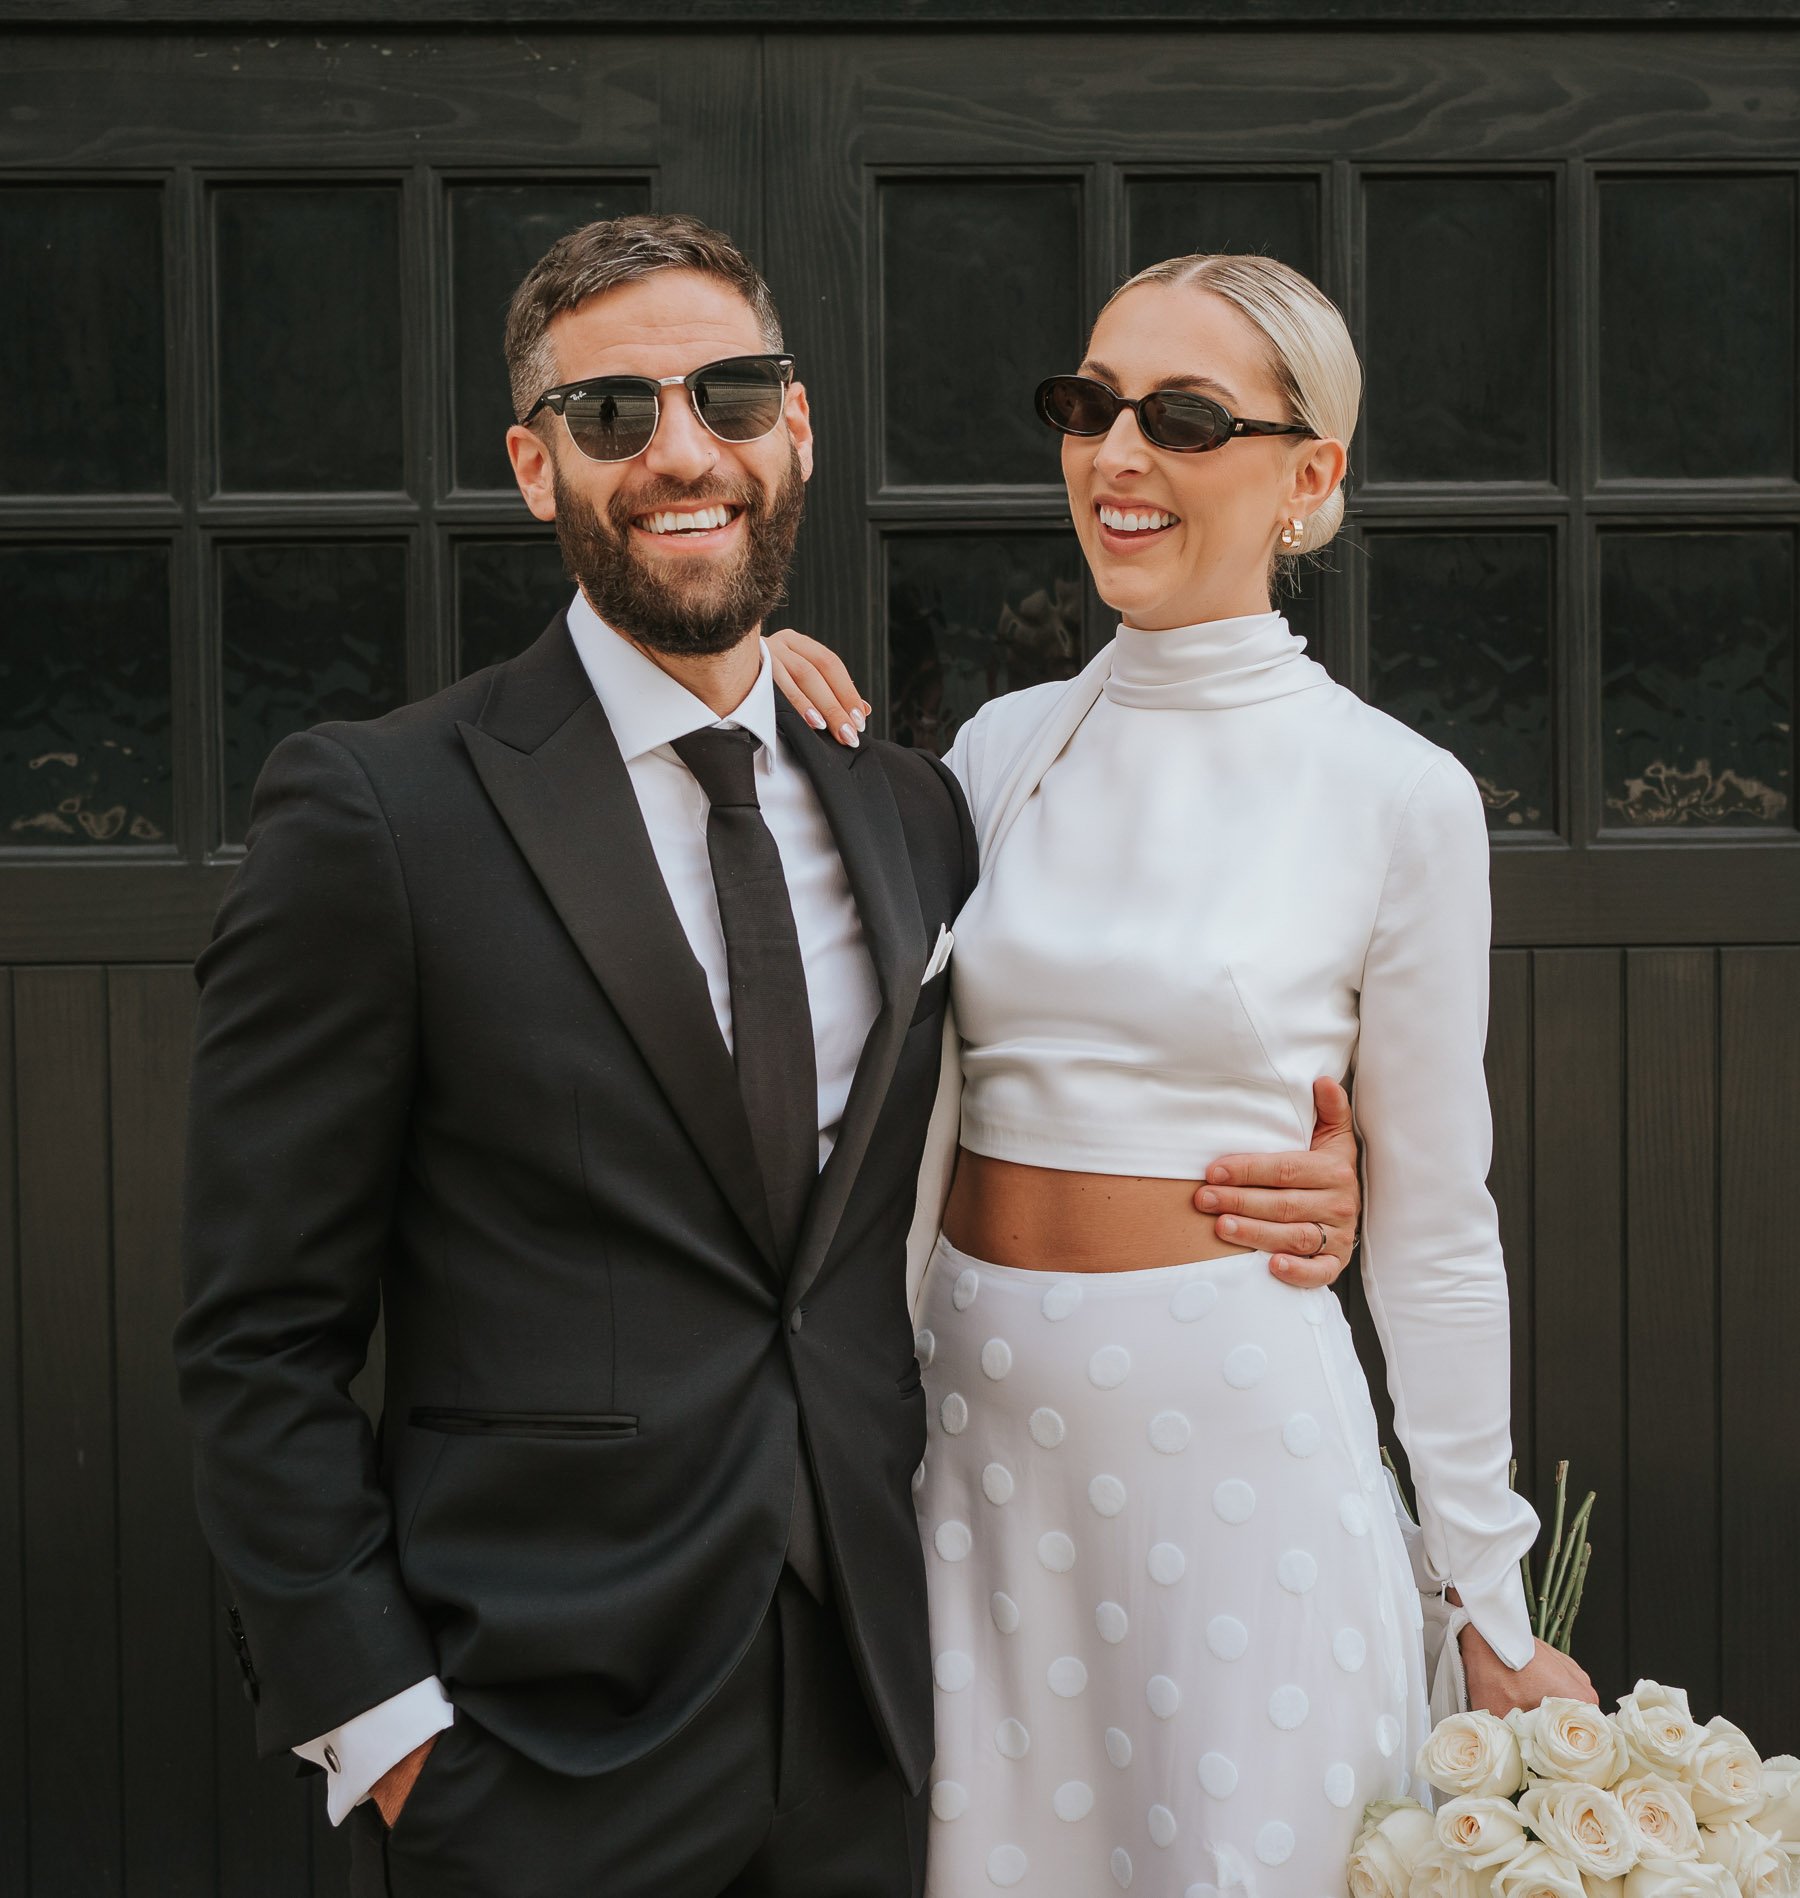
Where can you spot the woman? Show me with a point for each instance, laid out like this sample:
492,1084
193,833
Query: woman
1175,1630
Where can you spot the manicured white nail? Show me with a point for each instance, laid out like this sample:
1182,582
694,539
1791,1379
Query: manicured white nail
814,717
848,734
858,720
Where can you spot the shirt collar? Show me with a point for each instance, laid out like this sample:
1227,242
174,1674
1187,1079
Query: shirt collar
645,707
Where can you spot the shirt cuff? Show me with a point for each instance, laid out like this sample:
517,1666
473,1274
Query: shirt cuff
356,1754
1499,1616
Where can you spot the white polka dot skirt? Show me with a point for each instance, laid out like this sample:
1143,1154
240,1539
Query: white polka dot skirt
1174,1630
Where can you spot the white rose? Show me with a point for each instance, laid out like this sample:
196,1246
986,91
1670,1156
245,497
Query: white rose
1779,1813
1585,1824
1539,1872
1569,1740
1473,1755
1725,1777
1758,1867
1394,1834
1678,1878
1482,1833
1662,1816
1441,1873
1662,1735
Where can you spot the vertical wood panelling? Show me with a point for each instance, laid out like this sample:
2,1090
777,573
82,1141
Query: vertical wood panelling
1509,1179
165,1618
1578,1352
71,1533
1759,1323
15,1819
1672,1398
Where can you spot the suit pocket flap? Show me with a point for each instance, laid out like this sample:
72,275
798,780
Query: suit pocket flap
523,1423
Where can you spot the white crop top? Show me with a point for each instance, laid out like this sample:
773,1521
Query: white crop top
1232,878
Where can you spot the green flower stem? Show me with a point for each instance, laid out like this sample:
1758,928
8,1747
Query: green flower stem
1568,1627
1573,1544
1549,1568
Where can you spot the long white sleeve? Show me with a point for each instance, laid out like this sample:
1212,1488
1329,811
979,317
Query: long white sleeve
1432,1263
356,1754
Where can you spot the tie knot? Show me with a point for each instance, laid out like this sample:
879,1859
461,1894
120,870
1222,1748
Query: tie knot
724,761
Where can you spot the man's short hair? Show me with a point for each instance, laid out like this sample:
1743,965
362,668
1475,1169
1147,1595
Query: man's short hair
600,257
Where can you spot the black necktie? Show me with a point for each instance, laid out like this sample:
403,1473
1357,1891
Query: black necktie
771,1024
771,1033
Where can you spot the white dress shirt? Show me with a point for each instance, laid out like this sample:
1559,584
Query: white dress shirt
1135,995
648,710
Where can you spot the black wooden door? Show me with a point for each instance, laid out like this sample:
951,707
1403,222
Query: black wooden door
1569,261
250,291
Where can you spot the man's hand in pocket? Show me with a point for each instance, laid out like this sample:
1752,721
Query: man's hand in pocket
391,1791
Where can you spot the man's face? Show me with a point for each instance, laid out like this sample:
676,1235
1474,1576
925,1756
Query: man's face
686,591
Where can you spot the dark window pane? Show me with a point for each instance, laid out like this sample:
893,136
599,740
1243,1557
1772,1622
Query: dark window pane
84,675
308,631
506,593
974,615
497,232
1274,217
1697,327
1460,321
1697,691
1459,649
309,321
980,301
81,340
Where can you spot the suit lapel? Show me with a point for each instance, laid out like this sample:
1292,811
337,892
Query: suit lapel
548,760
860,809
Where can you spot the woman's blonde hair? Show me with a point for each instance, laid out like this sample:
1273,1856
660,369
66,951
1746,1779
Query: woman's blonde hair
1310,350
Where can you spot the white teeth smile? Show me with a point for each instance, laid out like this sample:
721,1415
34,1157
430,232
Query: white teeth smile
1143,521
697,522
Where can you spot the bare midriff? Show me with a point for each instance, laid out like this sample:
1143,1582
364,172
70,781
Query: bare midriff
1043,1219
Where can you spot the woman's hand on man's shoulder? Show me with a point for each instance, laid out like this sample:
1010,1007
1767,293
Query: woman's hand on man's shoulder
817,684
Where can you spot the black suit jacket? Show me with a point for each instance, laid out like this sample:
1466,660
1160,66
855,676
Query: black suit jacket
455,1060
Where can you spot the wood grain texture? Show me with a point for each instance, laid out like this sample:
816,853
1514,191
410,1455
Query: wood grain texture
15,1805
67,1392
885,13
1578,1339
166,1629
1672,1395
1759,1323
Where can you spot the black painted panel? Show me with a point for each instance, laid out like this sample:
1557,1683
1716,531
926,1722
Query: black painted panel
980,300
971,616
84,675
506,593
1696,327
1697,692
1458,325
1460,649
81,340
308,631
497,232
1174,217
309,318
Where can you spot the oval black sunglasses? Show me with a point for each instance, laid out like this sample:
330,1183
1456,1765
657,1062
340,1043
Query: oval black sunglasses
1180,420
612,418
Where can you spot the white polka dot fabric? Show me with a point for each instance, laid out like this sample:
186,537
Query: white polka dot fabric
1173,1625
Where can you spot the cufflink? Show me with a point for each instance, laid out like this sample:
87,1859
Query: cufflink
332,1763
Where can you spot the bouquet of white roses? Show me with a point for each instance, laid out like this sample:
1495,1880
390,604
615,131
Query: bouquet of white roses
1568,1802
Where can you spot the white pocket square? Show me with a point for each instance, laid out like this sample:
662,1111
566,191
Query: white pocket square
940,955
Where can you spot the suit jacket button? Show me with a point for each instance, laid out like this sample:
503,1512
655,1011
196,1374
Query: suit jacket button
331,1758
794,1319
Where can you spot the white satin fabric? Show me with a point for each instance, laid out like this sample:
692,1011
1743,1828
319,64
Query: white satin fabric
1174,1629
1209,875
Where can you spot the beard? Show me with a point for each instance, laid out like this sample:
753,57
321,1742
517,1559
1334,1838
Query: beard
694,607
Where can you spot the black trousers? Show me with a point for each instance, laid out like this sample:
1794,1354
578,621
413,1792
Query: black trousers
777,1788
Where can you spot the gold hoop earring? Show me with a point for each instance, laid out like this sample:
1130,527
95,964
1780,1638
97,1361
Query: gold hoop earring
1292,532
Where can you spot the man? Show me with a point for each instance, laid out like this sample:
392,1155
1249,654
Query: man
585,1018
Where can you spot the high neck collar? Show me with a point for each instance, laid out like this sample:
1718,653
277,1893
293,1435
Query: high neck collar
1216,664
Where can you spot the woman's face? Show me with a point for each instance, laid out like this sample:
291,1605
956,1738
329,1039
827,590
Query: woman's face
1215,515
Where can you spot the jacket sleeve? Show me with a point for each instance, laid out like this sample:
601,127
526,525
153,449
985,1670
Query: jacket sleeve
1432,1265
298,1111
